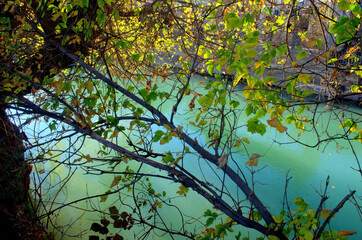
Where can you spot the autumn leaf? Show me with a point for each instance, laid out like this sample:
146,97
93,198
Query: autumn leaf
115,181
253,160
183,190
104,197
114,134
325,213
346,233
282,129
252,163
88,157
273,122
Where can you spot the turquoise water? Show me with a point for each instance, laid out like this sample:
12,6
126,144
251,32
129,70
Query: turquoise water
308,167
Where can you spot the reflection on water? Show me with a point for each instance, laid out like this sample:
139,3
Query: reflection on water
308,167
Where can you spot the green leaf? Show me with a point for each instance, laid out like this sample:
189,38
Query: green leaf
249,110
300,55
136,57
168,158
113,121
210,67
158,135
232,21
291,86
307,93
234,104
109,2
356,89
101,4
260,113
101,17
351,125
104,197
319,43
255,126
302,205
343,5
283,48
207,54
182,190
304,78
207,100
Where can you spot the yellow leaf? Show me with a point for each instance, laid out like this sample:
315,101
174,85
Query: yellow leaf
8,85
252,163
236,81
258,64
294,64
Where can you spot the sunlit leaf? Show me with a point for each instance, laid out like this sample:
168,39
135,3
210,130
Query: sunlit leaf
182,190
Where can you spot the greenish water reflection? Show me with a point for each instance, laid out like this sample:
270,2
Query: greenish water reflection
309,168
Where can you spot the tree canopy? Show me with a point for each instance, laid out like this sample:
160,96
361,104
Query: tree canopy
120,73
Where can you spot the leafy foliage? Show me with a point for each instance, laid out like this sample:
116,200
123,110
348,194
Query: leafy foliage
119,73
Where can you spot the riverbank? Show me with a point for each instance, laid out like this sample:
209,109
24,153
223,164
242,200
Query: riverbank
328,81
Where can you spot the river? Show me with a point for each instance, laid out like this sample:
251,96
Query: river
308,167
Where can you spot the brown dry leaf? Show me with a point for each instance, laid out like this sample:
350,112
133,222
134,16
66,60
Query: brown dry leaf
294,64
88,157
282,129
346,233
273,122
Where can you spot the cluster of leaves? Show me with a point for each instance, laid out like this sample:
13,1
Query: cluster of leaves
215,230
120,220
304,223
